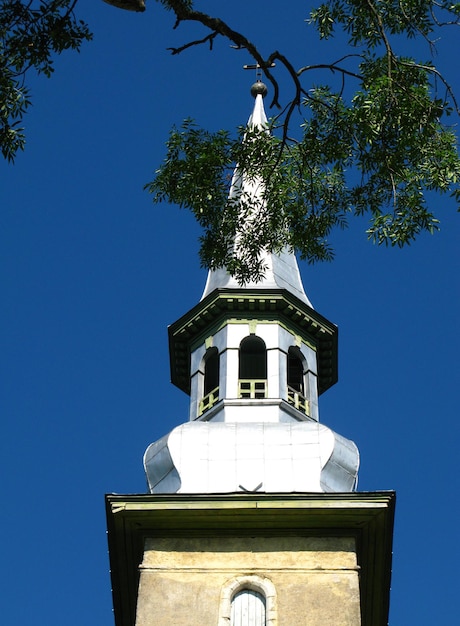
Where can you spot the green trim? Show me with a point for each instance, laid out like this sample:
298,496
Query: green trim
252,388
213,330
298,400
208,401
279,306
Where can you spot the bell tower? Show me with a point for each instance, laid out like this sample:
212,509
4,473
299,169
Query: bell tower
252,518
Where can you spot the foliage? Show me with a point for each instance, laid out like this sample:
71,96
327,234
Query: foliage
31,33
310,186
375,143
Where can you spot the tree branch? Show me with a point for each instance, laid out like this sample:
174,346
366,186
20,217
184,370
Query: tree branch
197,42
437,74
218,26
383,34
329,66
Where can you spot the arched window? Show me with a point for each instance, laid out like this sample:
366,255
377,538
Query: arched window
252,368
248,601
211,370
295,381
248,609
211,379
295,370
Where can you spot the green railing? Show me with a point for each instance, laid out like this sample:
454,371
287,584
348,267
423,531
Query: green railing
249,388
298,400
208,401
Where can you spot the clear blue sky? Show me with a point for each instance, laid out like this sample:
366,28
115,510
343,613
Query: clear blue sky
92,273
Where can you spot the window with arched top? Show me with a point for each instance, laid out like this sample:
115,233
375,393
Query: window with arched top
295,380
248,600
211,379
252,372
211,370
295,370
248,608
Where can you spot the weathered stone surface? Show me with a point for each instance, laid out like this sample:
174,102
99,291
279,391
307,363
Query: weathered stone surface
315,580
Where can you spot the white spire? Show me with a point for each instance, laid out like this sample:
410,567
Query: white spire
258,118
282,271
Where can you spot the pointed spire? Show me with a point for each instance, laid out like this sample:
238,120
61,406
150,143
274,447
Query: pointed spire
282,271
258,119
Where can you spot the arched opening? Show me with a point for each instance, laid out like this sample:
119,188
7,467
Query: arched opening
295,380
211,370
252,368
248,609
295,370
247,598
211,380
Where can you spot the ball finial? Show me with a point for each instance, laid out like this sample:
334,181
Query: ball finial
259,88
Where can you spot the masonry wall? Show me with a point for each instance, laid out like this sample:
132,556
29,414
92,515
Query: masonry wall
189,581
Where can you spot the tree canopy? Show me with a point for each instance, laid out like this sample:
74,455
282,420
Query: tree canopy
31,33
370,133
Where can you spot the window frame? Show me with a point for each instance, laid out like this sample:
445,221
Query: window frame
259,584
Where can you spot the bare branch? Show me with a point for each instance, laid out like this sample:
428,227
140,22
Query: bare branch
197,42
434,17
330,66
218,26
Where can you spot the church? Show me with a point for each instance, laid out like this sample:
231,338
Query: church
252,516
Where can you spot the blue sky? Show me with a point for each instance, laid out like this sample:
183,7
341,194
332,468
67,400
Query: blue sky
92,273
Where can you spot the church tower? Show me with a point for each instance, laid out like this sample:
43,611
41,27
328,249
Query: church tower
252,518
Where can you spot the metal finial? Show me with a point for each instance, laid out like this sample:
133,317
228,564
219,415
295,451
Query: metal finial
259,88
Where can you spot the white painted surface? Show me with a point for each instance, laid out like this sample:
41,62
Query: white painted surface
248,609
278,340
219,457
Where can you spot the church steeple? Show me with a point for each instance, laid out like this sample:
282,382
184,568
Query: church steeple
281,271
254,360
248,521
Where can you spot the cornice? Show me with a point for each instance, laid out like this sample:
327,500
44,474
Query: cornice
281,305
367,517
